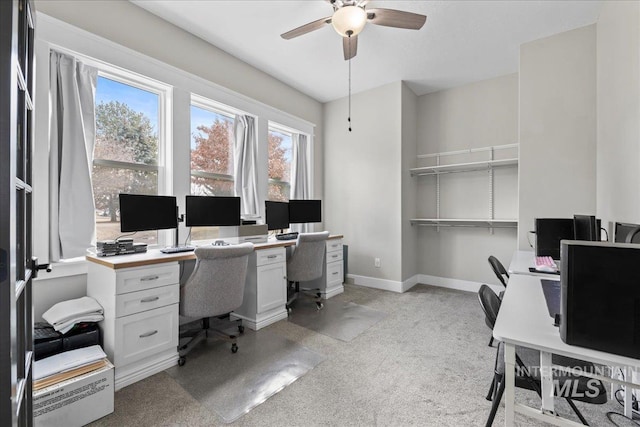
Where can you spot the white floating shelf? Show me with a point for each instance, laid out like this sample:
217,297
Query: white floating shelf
463,167
448,222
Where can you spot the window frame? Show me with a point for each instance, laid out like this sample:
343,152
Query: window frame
215,108
277,127
162,164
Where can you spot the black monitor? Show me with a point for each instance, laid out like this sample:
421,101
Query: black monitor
585,228
600,296
277,215
140,212
626,230
305,211
205,211
549,233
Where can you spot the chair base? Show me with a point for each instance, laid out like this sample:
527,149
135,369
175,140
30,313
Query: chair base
294,290
203,333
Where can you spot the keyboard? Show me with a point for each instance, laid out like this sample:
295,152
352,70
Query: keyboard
546,261
177,249
287,236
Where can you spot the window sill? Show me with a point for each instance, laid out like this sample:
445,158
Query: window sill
72,267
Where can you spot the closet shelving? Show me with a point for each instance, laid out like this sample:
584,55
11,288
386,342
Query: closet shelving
488,165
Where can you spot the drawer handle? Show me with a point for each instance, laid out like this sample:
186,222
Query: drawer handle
335,272
272,256
148,334
149,278
334,246
150,299
334,256
253,238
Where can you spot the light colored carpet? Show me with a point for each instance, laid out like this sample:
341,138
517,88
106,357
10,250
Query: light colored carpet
426,363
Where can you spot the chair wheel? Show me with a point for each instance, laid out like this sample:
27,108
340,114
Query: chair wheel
241,329
182,361
234,348
289,310
319,305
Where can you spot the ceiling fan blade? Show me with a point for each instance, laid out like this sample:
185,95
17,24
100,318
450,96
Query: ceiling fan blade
396,18
306,28
350,47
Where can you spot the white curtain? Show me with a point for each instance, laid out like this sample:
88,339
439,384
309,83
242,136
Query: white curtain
300,179
245,165
72,137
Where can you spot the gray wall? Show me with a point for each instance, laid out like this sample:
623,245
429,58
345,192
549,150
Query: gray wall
618,64
409,184
473,116
557,127
362,179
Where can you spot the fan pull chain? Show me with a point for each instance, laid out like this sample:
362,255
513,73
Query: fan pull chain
349,118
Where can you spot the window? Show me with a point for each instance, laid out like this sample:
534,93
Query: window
280,151
211,152
211,157
127,154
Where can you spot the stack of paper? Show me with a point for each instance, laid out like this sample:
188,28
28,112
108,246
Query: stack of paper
64,315
69,364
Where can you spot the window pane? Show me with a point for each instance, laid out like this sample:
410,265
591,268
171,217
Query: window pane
126,123
211,149
211,186
107,184
280,151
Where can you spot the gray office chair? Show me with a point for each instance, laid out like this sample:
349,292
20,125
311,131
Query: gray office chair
214,289
306,264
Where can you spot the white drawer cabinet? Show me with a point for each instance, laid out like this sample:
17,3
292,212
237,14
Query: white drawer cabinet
265,293
332,281
140,327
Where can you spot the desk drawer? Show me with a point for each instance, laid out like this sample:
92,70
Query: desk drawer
334,256
136,302
335,274
145,334
334,245
138,279
270,256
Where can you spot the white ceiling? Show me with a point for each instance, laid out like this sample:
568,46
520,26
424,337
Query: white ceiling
461,42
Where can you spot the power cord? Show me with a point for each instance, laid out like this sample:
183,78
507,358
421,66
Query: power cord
188,239
125,235
529,240
605,232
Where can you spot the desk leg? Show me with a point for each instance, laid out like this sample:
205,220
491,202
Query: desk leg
628,393
546,376
510,383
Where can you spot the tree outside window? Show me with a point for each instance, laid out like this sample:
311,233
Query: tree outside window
280,152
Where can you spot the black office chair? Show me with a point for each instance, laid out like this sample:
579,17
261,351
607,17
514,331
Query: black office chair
490,304
499,270
527,376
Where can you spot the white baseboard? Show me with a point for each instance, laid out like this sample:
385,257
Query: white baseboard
384,284
397,286
461,285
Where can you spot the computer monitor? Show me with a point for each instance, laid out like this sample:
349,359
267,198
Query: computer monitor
585,228
140,212
549,233
624,230
305,211
600,296
277,215
206,211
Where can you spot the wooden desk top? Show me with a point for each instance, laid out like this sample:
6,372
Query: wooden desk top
154,256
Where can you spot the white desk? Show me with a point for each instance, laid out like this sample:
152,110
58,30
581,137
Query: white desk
140,294
524,320
522,261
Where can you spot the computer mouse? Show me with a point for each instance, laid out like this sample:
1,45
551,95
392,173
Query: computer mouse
219,243
545,269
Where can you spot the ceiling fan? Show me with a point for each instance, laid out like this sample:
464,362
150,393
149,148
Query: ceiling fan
349,18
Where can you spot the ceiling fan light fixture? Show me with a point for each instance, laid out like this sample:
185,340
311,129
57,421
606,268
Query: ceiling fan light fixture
349,20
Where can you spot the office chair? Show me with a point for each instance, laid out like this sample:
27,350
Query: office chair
490,304
214,289
305,264
499,270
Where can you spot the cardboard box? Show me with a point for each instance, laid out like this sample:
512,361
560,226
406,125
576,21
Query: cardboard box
77,401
